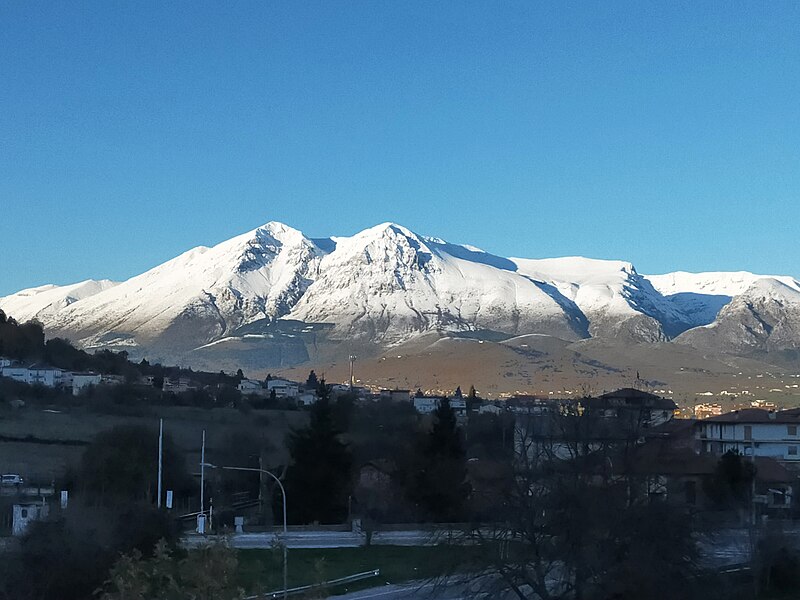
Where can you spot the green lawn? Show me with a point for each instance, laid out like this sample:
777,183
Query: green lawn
261,570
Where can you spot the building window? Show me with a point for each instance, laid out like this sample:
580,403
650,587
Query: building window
792,450
24,513
791,429
748,432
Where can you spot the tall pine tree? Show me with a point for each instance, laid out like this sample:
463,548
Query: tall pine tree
437,482
319,480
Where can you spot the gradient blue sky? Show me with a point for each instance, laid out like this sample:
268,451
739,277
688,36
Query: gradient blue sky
667,134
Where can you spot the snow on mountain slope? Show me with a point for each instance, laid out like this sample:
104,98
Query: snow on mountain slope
713,283
44,301
388,283
614,297
701,296
201,294
763,318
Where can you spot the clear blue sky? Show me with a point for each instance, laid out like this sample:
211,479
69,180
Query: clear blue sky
667,133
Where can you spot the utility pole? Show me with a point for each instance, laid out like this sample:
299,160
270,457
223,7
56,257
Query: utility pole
283,496
203,473
160,457
352,374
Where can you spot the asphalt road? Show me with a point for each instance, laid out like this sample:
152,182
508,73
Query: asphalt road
424,590
320,539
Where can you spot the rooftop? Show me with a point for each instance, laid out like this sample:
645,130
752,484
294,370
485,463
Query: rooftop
758,415
630,397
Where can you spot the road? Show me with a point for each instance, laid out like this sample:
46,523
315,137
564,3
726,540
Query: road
320,539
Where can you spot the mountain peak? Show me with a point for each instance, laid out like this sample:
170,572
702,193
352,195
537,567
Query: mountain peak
388,230
772,287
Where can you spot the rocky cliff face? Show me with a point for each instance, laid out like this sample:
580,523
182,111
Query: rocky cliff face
764,318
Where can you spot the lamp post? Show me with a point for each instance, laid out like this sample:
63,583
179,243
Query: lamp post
283,496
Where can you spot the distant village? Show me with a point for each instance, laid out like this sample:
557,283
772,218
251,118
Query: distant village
676,452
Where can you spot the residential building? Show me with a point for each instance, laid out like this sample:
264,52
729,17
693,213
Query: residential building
283,388
679,475
703,411
425,405
488,408
36,374
459,406
252,387
636,407
81,381
754,432
396,395
563,429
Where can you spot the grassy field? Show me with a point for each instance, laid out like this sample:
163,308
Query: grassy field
261,570
40,444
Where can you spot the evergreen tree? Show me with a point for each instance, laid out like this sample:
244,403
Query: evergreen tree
437,479
312,382
730,485
318,482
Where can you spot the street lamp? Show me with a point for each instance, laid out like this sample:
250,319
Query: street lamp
283,496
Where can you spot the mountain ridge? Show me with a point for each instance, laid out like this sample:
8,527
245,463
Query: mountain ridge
387,285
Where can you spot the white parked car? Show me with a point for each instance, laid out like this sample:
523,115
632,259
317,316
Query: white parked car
11,479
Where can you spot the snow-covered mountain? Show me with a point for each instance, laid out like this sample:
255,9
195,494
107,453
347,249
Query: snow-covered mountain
387,284
617,301
199,296
765,317
42,302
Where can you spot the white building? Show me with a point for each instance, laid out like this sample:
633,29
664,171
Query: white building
24,514
753,432
487,408
35,375
283,388
81,381
425,405
251,387
306,398
459,406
